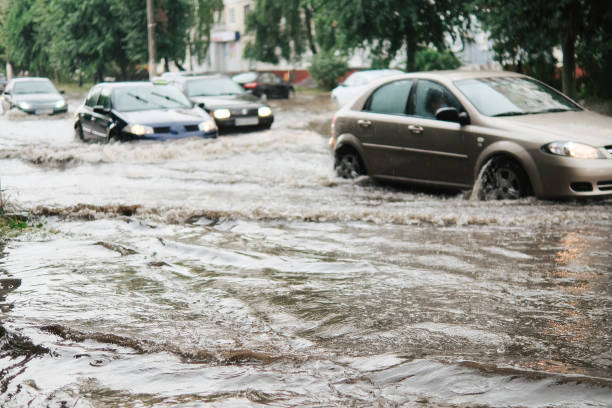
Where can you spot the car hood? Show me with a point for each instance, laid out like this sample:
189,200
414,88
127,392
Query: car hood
38,97
227,101
581,126
165,117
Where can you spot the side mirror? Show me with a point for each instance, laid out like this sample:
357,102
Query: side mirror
99,109
202,105
450,114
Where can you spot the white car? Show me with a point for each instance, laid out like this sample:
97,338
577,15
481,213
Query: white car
358,82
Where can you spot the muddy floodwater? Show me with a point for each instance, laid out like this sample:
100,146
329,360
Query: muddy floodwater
242,272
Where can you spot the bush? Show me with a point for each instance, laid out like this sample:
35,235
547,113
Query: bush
327,68
430,59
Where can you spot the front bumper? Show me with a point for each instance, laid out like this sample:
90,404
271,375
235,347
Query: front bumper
245,122
168,136
569,177
43,110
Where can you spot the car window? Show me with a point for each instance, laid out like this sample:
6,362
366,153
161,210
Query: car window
148,97
391,98
34,87
431,96
507,96
213,86
104,98
92,97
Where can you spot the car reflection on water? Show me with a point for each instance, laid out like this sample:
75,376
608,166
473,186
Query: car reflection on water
140,110
505,134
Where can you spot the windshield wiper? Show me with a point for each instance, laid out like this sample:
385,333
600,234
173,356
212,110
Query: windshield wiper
169,98
510,113
552,110
140,98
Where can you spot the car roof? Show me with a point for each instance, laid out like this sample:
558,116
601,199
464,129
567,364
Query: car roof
27,79
186,78
455,75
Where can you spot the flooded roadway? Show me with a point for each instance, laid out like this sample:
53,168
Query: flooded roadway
242,272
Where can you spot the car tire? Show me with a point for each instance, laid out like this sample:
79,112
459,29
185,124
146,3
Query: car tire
78,132
502,179
348,164
290,93
264,96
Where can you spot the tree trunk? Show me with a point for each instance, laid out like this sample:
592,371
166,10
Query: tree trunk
308,22
568,46
411,49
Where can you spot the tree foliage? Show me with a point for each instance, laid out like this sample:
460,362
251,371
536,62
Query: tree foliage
282,29
97,38
527,30
327,68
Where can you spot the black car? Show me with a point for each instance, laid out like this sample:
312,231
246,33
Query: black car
33,96
140,110
225,100
265,85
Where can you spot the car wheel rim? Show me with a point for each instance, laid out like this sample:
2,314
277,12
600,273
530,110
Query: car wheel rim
502,184
348,166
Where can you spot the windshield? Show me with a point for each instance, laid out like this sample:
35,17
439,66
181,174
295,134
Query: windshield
509,96
148,97
34,87
246,77
213,87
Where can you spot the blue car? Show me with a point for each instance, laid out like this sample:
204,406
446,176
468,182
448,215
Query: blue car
140,110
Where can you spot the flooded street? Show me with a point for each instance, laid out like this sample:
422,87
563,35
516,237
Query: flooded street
241,271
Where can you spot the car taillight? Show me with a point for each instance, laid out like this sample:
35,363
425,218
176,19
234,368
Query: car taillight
250,85
333,126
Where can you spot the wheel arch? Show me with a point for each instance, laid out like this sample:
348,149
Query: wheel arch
516,153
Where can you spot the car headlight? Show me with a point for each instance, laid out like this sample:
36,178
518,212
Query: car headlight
222,113
573,149
60,104
139,130
264,111
24,106
207,126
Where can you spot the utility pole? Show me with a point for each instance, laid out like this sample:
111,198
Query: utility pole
151,34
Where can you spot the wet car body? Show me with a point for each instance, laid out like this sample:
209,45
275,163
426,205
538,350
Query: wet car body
33,96
231,107
561,151
126,111
265,85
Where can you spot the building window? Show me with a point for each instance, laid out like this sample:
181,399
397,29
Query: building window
232,15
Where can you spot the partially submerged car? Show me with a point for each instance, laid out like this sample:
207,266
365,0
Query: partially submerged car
506,134
265,85
140,110
230,105
35,96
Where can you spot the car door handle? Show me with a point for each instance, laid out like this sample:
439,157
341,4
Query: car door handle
417,130
364,123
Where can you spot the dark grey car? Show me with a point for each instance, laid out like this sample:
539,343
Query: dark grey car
505,133
33,96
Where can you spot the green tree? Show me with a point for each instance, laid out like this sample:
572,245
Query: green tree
326,68
527,29
430,59
203,20
20,33
282,29
390,26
